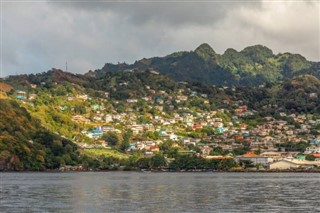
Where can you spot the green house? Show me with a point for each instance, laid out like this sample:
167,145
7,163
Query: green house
95,107
300,156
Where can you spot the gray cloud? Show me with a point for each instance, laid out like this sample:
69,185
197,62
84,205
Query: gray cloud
165,12
39,36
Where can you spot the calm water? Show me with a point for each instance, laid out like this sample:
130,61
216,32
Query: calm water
159,192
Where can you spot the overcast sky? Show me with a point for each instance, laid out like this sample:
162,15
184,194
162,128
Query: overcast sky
39,35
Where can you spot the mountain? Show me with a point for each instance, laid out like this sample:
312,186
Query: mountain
47,118
301,94
252,66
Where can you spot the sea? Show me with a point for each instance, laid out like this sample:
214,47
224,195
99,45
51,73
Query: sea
159,192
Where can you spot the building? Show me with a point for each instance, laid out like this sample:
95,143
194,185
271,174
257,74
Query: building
256,159
312,149
294,164
21,95
273,155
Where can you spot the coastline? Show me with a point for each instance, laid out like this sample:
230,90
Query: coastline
172,171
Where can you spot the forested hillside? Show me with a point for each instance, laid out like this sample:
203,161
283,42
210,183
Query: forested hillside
26,145
252,66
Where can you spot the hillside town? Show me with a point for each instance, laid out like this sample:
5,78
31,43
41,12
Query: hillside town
286,141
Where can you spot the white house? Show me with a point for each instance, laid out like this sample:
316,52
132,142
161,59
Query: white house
256,159
312,149
294,164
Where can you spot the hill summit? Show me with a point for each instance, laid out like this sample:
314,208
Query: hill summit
252,66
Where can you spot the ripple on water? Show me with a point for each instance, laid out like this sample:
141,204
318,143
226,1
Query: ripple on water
159,192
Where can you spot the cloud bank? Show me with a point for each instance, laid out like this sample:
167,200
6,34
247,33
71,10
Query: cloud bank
39,35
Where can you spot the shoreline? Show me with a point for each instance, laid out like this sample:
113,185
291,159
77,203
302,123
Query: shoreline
159,171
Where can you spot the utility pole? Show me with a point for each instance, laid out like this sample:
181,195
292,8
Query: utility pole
66,66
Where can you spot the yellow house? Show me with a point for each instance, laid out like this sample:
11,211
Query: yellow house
273,155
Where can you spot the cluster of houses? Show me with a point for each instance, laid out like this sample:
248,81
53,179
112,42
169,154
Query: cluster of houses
228,134
280,160
179,122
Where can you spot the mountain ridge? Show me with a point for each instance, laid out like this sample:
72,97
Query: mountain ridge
252,66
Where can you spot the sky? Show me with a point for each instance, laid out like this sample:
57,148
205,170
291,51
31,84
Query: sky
39,35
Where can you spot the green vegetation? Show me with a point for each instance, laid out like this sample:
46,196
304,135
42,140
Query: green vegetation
133,117
195,163
103,152
252,66
25,145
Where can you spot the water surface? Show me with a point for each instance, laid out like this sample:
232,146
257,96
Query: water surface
159,192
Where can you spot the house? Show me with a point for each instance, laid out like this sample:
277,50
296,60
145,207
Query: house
149,144
97,118
140,145
95,133
243,126
132,100
317,156
110,129
159,100
256,159
154,149
288,155
187,141
160,108
136,129
205,150
132,147
33,86
21,95
32,96
83,97
294,164
95,107
315,141
108,118
312,149
80,118
218,157
154,72
220,130
170,136
238,137
197,126
182,98
218,124
274,155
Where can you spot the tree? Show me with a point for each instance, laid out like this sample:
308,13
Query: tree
143,163
246,163
217,151
310,157
239,151
112,138
166,145
126,140
80,109
158,161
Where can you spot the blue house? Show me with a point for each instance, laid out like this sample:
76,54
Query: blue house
132,147
21,95
315,141
220,130
96,133
245,134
